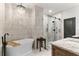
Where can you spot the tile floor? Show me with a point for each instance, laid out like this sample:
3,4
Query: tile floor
41,53
44,52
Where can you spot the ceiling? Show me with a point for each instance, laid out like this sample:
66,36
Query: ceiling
55,7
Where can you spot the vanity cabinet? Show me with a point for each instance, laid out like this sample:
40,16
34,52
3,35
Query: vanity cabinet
57,51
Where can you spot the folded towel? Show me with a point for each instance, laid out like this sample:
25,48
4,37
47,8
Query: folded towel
13,44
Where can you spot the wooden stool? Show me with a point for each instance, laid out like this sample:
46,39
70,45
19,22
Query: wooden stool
40,41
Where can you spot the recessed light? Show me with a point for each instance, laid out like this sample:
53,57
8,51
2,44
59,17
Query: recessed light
50,11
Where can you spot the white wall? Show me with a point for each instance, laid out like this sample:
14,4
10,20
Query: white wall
45,24
2,18
38,21
28,24
72,12
37,16
18,24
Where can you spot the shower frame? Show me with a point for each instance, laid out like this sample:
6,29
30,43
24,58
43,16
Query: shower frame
54,23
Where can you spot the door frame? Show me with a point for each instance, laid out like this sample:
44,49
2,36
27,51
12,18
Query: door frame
74,18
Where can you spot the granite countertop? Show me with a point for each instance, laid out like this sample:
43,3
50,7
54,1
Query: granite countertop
69,44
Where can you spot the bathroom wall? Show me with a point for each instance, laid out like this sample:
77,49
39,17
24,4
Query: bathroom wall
68,13
74,12
71,12
37,17
45,26
18,22
38,21
2,18
27,23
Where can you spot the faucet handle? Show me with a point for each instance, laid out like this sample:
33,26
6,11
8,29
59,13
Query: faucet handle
7,33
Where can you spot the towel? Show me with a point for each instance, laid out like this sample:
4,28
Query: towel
13,44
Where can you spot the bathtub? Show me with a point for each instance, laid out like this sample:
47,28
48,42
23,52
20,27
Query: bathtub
24,49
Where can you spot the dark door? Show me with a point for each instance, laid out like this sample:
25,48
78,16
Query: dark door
69,27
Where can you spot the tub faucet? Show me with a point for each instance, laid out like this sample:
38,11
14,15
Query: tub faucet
5,36
4,43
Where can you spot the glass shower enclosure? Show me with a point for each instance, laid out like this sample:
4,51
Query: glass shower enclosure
52,28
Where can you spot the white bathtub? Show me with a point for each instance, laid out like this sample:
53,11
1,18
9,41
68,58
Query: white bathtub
0,50
24,49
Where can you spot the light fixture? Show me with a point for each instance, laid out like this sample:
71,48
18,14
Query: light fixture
50,11
20,6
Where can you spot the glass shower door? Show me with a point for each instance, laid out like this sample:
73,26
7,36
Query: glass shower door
50,26
54,28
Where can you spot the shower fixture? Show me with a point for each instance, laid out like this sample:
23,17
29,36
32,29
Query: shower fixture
54,17
21,9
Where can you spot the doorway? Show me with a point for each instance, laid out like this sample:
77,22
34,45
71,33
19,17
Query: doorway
69,27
